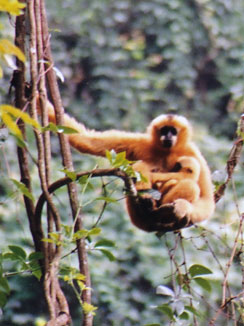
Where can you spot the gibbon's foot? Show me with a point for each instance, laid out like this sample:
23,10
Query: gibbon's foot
150,218
168,220
168,213
182,208
175,226
164,219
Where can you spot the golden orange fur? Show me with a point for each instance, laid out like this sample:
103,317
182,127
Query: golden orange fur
191,198
173,185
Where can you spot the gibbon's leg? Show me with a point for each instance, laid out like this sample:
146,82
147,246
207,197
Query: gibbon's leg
187,168
198,211
202,210
165,187
184,189
153,220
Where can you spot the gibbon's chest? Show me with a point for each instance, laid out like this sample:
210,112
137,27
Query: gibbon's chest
168,162
164,163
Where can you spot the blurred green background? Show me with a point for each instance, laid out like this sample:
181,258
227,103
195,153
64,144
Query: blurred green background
123,63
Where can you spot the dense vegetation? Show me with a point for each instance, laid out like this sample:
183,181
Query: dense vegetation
124,62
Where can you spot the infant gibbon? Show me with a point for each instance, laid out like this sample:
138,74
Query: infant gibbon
173,185
166,140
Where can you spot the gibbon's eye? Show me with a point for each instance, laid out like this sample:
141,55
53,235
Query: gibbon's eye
168,130
168,136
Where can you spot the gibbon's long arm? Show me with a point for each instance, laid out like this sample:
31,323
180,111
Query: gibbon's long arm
96,142
190,172
204,207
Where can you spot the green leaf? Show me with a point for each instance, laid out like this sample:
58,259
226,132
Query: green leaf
1,263
35,269
104,243
11,125
70,174
81,234
4,286
50,127
10,256
17,113
66,130
59,129
48,240
18,251
35,255
88,308
184,316
23,189
199,270
120,159
3,299
111,155
12,7
20,142
55,237
205,284
83,180
107,199
80,277
67,230
192,310
95,231
166,309
108,254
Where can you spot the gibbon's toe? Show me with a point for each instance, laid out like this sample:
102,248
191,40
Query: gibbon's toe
182,208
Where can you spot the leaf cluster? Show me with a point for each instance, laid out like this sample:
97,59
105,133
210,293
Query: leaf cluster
177,306
147,58
23,263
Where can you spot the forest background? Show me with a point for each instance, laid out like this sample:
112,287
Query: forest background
120,64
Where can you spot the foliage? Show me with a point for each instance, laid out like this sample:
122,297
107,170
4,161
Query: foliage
7,48
22,263
126,57
13,7
8,113
123,63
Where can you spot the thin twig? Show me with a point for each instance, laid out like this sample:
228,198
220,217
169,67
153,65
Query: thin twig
233,160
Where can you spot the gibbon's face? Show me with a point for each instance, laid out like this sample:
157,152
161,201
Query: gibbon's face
170,130
168,136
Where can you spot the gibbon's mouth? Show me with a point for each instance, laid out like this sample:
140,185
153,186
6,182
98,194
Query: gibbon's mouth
167,143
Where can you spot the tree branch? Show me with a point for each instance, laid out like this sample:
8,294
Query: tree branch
233,160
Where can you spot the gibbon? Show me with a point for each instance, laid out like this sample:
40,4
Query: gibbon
166,140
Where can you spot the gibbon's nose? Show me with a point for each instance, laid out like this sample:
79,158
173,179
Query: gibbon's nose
167,143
